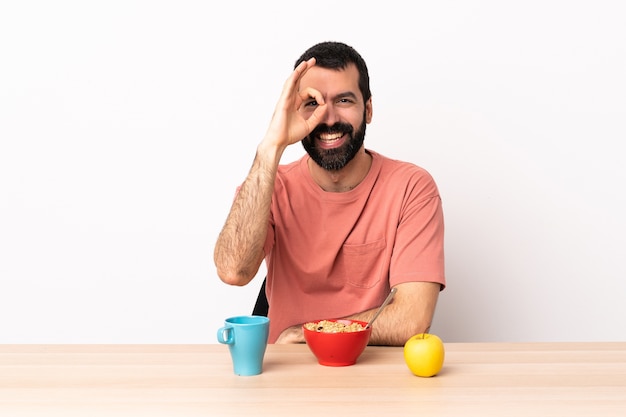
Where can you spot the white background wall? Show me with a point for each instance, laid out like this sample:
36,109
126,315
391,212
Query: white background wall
125,127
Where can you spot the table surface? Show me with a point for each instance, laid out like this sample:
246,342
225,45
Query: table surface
486,379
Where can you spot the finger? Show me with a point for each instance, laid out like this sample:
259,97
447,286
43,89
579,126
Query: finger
304,66
316,117
309,93
297,74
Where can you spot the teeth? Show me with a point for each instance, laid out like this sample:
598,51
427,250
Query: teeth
328,137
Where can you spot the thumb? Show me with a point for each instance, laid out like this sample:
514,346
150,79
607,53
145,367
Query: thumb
316,117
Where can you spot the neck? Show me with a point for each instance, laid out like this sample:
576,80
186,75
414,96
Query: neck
345,179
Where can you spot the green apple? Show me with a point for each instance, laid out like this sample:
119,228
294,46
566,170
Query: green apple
424,354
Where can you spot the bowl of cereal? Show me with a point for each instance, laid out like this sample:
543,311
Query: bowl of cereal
336,342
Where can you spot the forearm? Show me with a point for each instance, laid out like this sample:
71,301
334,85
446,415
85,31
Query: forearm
389,330
239,247
411,312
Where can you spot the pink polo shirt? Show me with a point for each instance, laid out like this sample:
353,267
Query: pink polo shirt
330,255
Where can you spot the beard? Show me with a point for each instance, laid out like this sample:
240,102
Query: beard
337,158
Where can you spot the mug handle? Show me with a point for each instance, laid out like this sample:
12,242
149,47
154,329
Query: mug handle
229,339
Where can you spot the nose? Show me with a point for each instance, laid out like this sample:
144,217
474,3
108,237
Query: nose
331,116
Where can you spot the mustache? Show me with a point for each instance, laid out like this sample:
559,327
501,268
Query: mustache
335,128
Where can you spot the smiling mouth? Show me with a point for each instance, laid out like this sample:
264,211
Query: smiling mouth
330,137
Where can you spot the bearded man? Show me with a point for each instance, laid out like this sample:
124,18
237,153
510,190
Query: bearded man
342,225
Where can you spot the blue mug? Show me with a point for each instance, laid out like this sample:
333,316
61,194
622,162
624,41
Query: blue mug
246,337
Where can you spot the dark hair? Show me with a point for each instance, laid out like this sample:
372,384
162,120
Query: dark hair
337,55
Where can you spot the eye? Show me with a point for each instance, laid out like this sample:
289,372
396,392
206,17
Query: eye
310,103
345,102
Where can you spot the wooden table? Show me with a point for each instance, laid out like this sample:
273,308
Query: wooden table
486,379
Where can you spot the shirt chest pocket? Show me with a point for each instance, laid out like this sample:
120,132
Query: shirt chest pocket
362,265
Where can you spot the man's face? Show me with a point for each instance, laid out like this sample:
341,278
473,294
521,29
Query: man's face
341,132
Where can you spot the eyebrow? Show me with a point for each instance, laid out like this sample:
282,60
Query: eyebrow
347,94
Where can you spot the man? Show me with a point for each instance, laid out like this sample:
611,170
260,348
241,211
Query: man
342,225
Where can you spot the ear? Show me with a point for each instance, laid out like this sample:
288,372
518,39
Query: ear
368,110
